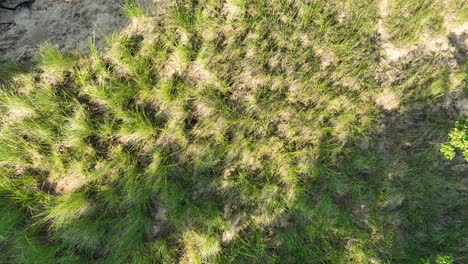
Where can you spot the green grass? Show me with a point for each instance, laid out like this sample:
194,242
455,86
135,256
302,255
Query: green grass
408,20
232,132
8,69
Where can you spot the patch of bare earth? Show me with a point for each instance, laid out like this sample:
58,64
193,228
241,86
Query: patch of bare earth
390,51
327,57
67,24
159,221
68,184
452,45
388,100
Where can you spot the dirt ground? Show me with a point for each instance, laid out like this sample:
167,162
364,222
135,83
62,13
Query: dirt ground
64,23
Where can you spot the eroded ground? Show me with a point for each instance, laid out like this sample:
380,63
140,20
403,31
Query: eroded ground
65,24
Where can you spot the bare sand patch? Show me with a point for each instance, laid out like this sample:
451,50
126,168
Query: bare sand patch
66,24
68,184
388,100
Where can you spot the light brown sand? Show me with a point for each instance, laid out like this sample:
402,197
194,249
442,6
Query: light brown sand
64,23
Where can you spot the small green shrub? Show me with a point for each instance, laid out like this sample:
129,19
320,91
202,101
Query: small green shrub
444,260
458,141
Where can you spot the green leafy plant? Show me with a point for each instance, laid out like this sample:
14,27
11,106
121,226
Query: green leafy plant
444,260
458,141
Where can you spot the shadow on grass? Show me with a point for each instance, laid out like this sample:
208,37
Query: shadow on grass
8,69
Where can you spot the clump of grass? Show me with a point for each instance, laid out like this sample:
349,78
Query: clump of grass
8,69
50,57
133,8
409,20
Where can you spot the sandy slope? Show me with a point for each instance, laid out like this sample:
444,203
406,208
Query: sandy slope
65,23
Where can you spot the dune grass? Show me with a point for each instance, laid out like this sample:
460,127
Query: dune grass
407,21
233,132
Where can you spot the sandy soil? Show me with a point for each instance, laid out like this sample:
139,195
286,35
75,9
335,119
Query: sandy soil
453,44
455,41
64,23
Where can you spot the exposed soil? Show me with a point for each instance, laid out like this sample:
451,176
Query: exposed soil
68,184
454,41
64,23
452,44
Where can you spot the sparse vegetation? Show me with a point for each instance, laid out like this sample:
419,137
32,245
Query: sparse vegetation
407,21
235,132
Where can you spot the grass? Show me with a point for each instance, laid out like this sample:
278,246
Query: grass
240,132
408,20
8,69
